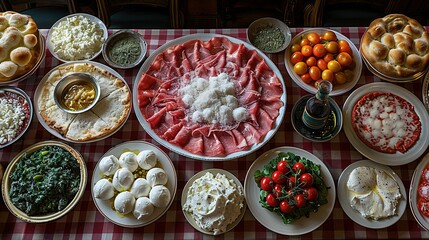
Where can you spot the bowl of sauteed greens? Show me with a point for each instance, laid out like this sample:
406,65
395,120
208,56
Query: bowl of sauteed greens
44,182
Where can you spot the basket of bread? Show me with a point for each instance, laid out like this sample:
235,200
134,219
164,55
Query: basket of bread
22,47
395,48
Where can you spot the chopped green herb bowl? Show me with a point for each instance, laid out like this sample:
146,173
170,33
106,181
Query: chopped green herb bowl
63,180
269,35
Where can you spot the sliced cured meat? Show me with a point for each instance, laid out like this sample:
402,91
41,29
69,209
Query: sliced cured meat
386,122
256,88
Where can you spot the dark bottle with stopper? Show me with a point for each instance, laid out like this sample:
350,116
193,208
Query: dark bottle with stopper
317,108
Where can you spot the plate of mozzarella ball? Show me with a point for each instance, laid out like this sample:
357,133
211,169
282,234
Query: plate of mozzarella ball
134,184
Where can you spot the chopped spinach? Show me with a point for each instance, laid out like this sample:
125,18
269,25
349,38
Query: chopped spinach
45,181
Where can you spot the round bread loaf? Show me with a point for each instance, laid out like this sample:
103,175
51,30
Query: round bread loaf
19,45
396,45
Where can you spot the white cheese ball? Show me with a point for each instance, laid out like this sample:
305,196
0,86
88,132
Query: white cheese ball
103,189
143,208
160,196
156,176
147,159
124,202
109,165
128,160
123,179
140,188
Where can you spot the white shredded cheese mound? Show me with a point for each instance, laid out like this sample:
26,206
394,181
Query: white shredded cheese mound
213,101
77,38
214,202
12,116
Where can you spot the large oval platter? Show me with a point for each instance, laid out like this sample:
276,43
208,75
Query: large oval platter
344,198
105,206
176,148
85,122
273,221
394,159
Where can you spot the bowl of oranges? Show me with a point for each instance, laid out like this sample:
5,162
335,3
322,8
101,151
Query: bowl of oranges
320,54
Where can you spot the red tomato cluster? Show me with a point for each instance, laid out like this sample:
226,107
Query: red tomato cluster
322,57
289,187
423,193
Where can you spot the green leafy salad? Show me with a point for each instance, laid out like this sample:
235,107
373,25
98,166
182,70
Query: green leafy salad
45,181
291,186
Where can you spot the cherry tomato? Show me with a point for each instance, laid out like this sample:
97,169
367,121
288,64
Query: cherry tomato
272,200
292,182
278,190
349,74
314,38
423,190
266,184
319,50
300,68
332,47
307,50
345,47
300,200
328,75
278,177
312,194
315,73
307,179
306,78
304,42
285,207
299,167
322,64
425,174
296,48
328,57
334,66
329,36
340,77
283,166
296,57
344,59
311,61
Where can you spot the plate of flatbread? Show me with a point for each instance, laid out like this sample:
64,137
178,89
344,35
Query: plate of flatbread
101,121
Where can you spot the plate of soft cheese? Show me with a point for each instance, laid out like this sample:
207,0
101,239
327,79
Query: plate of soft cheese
372,194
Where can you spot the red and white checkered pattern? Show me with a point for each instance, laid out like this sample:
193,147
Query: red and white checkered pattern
85,222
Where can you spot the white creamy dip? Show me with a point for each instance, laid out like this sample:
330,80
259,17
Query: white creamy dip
214,202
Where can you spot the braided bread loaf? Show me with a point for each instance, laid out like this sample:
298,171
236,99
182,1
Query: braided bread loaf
19,45
396,45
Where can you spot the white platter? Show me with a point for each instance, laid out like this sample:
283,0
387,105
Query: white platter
44,80
273,221
178,149
343,196
88,16
105,206
384,158
413,194
188,215
337,89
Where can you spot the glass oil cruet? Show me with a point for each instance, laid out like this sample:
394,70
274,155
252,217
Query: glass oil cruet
317,108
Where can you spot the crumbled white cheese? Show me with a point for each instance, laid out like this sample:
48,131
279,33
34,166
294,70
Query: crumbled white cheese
213,101
77,38
12,116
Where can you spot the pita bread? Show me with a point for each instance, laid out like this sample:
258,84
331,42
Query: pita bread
107,116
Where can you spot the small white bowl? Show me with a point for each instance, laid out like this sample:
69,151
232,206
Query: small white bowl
91,18
260,27
118,36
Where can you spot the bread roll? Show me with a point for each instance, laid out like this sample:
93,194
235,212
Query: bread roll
397,46
19,45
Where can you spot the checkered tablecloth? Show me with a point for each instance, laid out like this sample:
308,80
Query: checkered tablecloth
85,222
